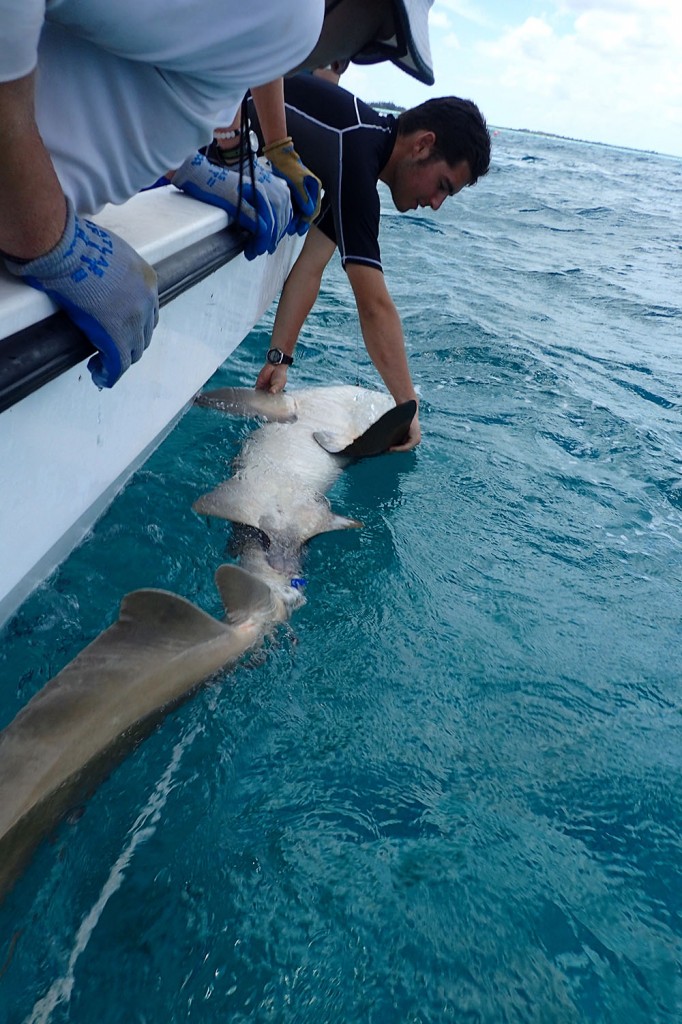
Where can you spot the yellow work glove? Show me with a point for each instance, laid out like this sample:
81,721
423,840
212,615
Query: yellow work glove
305,187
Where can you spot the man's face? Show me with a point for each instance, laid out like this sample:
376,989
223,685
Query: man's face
421,181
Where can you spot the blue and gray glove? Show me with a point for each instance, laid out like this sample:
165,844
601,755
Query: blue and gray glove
104,286
265,210
305,187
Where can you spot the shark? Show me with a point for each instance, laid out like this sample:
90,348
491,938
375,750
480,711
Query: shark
86,719
286,466
162,647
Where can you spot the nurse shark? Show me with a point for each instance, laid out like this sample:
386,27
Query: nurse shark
288,464
102,704
162,647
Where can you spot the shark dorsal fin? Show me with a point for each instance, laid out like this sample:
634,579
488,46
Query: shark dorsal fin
389,430
152,616
279,408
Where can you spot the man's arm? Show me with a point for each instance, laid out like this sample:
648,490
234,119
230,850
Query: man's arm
300,291
278,147
33,208
105,287
269,103
383,336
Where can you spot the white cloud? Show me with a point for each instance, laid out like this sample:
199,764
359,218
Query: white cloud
619,6
613,73
607,32
439,19
452,41
605,70
464,9
528,42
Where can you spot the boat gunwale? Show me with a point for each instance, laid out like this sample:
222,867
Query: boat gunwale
37,354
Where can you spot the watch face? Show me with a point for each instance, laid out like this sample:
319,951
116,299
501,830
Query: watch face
277,357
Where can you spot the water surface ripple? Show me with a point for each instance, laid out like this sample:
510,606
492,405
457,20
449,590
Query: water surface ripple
450,791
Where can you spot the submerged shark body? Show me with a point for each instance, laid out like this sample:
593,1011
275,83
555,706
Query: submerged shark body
111,696
162,647
289,463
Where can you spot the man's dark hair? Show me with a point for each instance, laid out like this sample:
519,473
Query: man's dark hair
460,130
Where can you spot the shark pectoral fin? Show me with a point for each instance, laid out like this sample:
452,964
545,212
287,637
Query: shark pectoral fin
332,522
245,596
388,431
343,523
223,503
279,408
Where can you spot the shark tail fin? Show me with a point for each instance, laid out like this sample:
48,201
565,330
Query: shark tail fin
278,408
389,430
245,596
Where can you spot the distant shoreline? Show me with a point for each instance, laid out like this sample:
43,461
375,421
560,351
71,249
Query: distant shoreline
586,142
394,108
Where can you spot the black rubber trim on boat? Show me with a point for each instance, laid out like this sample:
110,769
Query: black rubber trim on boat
41,352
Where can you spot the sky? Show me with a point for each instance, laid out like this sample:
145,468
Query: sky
600,70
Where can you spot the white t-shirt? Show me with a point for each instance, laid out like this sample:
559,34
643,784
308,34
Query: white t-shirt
126,89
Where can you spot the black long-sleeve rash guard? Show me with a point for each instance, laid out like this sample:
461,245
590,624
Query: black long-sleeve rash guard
346,144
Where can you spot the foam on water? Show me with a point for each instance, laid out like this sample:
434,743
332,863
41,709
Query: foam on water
450,790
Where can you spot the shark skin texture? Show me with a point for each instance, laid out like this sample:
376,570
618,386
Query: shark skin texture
86,719
286,466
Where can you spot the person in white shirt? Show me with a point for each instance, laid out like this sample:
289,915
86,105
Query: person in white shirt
98,99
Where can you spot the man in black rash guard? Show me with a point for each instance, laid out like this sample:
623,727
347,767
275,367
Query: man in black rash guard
425,155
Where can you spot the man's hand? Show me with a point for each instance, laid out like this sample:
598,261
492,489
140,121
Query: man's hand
305,187
265,209
272,378
413,438
104,286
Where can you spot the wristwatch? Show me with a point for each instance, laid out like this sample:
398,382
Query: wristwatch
277,357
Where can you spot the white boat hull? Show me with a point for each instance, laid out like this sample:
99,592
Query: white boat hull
67,449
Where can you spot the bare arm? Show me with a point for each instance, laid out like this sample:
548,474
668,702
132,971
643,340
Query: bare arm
383,336
297,299
269,103
33,211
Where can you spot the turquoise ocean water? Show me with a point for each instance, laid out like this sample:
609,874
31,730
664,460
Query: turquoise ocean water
450,790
